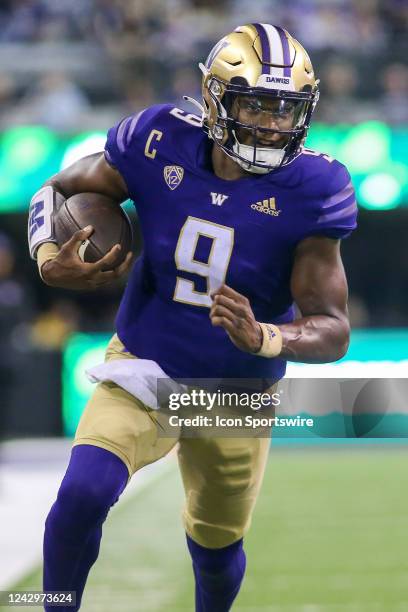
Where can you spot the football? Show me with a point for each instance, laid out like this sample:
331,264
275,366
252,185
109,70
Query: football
111,226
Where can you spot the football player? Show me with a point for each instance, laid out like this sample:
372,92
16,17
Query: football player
240,221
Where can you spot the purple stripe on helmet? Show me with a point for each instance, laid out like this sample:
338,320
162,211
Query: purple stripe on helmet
211,56
338,214
266,51
342,196
286,52
214,52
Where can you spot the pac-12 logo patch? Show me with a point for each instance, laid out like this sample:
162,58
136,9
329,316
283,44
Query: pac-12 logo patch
173,175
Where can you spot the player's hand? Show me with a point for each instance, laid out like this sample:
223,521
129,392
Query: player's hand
68,271
233,312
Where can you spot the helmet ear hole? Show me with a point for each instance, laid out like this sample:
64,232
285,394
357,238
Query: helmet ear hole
218,133
215,88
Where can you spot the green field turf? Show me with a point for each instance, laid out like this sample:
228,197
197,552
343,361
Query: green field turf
330,533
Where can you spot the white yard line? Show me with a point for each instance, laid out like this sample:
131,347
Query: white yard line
30,474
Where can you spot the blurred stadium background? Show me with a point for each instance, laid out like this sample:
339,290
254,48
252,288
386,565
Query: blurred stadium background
330,525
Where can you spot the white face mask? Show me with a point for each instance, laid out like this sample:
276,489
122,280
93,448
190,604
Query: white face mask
272,158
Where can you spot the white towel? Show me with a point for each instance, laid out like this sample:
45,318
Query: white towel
138,377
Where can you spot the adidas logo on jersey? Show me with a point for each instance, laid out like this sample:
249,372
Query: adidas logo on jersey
218,198
267,206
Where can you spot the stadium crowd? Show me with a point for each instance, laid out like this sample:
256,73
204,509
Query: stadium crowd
97,59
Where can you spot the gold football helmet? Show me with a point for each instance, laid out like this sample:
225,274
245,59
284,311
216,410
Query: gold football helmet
262,69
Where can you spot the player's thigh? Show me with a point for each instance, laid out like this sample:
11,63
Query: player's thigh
222,478
115,420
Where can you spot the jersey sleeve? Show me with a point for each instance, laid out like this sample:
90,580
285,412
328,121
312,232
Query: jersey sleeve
337,212
127,139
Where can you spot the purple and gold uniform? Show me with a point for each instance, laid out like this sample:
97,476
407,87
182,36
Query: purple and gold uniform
200,230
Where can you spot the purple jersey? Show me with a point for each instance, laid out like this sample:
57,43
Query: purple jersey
200,231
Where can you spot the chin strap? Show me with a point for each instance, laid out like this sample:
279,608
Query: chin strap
272,158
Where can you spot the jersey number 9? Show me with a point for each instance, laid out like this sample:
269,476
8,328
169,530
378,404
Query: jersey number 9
214,270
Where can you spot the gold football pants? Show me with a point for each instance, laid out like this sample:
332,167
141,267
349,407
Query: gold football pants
221,476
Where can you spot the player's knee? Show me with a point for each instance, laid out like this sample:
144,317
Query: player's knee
87,498
218,565
89,488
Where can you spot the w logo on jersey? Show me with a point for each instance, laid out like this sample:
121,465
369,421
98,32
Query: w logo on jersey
173,175
218,198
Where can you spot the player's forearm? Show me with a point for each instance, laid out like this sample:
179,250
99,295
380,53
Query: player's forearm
59,187
73,180
315,339
90,174
68,185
